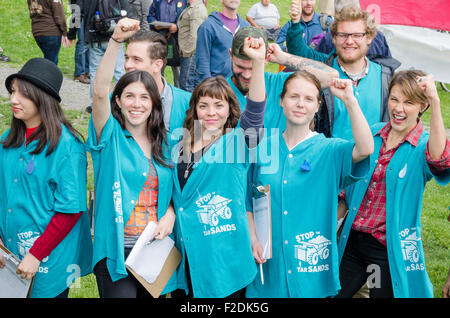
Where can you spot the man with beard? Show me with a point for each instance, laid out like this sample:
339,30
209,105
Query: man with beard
353,31
379,45
310,21
241,67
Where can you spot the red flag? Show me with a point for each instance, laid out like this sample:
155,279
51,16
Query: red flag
434,14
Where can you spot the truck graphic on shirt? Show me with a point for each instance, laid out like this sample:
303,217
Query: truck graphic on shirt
410,248
210,212
313,250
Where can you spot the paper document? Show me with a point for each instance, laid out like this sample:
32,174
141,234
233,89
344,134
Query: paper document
263,219
12,286
147,260
161,24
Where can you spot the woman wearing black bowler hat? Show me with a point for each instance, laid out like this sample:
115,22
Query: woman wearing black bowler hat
43,217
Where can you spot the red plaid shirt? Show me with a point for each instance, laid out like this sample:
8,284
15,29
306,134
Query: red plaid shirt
371,216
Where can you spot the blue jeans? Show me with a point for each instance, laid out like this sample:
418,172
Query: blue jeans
96,52
50,46
187,73
81,53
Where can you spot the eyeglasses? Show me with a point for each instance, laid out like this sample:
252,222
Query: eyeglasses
341,36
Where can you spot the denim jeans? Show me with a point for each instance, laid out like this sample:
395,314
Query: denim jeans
81,53
50,46
96,52
187,73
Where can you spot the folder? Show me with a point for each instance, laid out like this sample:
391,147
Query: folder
263,218
153,263
12,285
171,264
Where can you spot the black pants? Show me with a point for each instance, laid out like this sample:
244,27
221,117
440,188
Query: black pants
364,257
128,287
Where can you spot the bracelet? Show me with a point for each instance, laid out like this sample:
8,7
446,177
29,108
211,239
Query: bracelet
116,40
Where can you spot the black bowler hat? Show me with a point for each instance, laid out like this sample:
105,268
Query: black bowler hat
42,73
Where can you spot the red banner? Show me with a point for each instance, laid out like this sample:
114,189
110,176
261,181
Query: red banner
434,14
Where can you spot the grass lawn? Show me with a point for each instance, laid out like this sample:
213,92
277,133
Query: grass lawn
19,45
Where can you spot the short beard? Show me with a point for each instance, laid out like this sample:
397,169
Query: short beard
238,85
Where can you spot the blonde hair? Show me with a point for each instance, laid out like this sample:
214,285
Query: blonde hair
354,13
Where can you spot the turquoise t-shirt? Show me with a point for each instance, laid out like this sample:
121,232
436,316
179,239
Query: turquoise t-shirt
368,94
211,225
406,177
32,189
303,199
274,117
120,171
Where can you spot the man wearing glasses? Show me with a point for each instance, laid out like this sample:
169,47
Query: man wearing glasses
353,31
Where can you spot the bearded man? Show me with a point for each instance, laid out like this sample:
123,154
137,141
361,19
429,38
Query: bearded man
353,31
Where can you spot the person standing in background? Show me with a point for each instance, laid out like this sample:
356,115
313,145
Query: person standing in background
214,38
139,9
265,15
76,30
188,22
3,58
168,11
48,25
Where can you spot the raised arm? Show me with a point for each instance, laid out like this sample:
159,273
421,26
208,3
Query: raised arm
438,137
343,89
323,72
255,49
294,37
253,115
101,108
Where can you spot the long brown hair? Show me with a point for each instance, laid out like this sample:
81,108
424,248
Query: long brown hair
214,87
156,130
52,117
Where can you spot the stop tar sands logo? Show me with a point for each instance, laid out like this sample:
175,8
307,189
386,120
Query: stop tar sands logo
214,208
312,248
410,250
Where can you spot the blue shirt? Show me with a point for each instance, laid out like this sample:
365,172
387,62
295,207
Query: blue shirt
303,198
32,189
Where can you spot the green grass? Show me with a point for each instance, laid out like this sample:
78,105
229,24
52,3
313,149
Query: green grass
19,45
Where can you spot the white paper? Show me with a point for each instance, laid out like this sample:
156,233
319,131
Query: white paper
12,286
147,260
161,24
262,220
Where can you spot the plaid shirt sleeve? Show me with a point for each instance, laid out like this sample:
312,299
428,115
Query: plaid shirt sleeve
441,164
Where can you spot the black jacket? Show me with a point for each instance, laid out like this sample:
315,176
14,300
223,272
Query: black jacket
88,11
324,119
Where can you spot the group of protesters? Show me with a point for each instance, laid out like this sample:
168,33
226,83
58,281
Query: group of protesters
335,143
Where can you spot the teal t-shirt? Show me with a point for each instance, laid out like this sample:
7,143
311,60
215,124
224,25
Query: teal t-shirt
120,172
406,177
303,199
274,119
32,189
211,224
368,94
